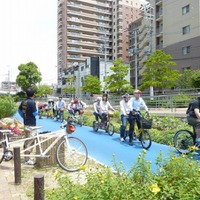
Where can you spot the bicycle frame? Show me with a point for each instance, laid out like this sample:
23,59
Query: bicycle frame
48,136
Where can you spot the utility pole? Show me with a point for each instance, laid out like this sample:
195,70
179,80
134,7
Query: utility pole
136,57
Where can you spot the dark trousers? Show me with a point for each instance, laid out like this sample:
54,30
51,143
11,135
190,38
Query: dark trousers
132,120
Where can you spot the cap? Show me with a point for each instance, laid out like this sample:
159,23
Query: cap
137,92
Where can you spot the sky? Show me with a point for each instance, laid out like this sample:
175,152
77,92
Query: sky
28,32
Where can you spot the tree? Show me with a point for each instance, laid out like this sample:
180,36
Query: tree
158,71
92,85
195,79
69,87
44,90
116,82
28,76
184,81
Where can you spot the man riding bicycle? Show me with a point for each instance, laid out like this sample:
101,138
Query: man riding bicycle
136,103
59,107
193,117
96,107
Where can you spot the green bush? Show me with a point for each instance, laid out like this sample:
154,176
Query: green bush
175,178
7,106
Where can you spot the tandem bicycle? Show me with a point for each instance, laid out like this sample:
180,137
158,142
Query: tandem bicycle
71,153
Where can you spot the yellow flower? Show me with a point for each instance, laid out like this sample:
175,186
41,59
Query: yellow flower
83,167
144,150
199,170
55,174
154,188
75,198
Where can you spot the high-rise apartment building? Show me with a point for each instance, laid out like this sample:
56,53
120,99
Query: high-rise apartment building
177,31
93,28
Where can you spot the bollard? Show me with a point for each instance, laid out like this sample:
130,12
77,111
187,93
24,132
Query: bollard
17,165
39,187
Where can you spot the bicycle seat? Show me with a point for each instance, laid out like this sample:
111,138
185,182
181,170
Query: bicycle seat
34,127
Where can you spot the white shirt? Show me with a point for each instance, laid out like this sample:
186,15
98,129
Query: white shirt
137,104
59,104
125,107
96,106
104,106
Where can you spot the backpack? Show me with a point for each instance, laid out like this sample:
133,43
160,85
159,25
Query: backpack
189,108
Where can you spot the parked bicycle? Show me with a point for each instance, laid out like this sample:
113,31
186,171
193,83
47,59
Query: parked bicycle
142,135
71,153
105,125
184,139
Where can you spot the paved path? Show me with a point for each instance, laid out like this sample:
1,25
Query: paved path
100,146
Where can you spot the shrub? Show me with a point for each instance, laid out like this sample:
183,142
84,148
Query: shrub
7,106
175,178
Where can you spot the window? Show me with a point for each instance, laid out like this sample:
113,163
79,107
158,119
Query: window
186,30
185,9
186,50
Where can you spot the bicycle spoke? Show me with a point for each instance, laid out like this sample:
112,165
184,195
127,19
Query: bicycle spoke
71,154
183,139
145,139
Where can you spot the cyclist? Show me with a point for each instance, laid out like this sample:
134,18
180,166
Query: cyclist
79,106
136,103
70,107
49,107
96,106
193,117
104,107
59,107
125,109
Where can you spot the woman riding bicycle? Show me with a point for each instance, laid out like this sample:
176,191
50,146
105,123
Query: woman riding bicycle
104,107
96,107
136,103
125,109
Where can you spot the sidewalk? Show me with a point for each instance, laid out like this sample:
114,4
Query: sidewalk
8,189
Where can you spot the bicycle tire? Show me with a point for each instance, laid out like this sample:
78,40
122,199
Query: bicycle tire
110,129
183,139
71,161
145,139
95,126
3,146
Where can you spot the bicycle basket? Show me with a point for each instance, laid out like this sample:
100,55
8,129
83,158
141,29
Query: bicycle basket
146,124
70,128
110,114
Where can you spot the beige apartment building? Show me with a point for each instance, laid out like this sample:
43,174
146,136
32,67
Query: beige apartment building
177,31
93,28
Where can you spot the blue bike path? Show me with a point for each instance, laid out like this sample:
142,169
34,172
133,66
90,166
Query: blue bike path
102,147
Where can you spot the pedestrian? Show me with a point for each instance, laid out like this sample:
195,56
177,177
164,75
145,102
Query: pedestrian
136,103
28,110
125,109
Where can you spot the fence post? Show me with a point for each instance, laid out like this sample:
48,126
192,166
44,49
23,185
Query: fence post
17,165
39,187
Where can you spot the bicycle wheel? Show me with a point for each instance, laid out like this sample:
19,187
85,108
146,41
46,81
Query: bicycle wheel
183,139
2,151
110,129
95,126
145,139
71,154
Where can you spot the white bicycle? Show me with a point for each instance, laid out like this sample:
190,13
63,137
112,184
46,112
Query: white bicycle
71,152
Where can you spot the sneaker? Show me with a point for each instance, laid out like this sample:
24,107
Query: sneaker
130,142
122,139
30,162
